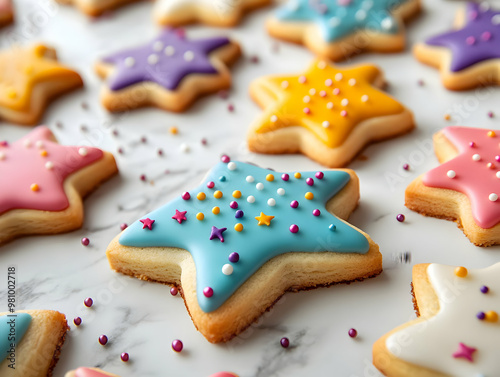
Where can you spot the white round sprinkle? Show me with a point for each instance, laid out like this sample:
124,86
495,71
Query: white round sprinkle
498,174
476,157
284,84
352,82
250,179
484,6
39,144
251,199
495,20
27,143
227,269
322,64
339,76
451,174
49,165
387,23
334,21
326,124
312,91
184,148
259,186
231,165
280,191
83,151
153,59
329,105
129,62
367,4
271,202
274,118
364,98
169,50
493,197
188,56
306,99
302,79
360,15
2,156
344,102
158,46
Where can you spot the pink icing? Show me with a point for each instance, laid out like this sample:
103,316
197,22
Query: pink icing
224,374
87,372
473,178
22,165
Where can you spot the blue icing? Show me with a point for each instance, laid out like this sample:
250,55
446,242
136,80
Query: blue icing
336,21
255,244
20,323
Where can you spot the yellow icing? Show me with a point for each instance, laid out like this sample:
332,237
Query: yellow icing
358,98
21,69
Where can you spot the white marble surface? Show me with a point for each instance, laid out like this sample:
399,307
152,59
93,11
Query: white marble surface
142,318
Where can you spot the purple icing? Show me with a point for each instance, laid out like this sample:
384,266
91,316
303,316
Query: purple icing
166,60
477,41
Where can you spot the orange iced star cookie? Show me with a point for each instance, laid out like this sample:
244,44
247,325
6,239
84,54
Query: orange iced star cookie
29,78
328,113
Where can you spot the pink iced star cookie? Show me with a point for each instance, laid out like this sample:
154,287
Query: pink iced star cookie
457,331
466,187
44,182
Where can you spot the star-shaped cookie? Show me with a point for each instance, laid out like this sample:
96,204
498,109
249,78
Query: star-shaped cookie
328,113
211,12
467,56
169,72
336,29
6,12
30,342
457,331
29,79
229,266
466,187
44,183
95,8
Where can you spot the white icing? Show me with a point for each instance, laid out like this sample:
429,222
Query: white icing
432,343
165,7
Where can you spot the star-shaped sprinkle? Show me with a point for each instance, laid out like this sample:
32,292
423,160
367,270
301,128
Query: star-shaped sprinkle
476,40
166,60
22,72
324,26
327,102
254,244
217,233
147,223
447,339
211,12
470,165
264,219
464,352
179,216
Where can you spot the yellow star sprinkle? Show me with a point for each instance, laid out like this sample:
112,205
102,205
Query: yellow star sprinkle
264,219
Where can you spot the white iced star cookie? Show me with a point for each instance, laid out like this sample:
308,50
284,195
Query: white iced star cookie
457,331
212,12
95,8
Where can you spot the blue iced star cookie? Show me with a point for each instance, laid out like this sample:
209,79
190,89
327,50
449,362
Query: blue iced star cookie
323,25
241,217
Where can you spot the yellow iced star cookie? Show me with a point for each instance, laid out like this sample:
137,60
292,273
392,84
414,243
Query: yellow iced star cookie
29,78
328,113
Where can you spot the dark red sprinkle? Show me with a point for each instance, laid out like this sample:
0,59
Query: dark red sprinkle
143,177
285,342
124,356
88,302
174,291
144,139
160,152
406,167
84,128
123,226
230,107
85,241
77,321
352,333
254,59
103,339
